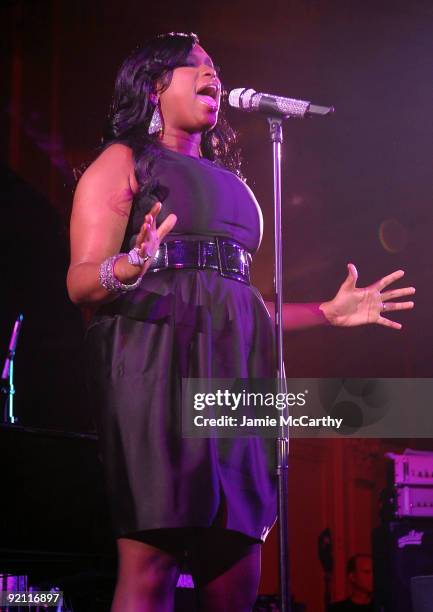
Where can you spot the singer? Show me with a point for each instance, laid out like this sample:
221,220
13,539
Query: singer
163,230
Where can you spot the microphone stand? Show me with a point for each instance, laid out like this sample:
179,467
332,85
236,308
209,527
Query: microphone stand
277,108
8,375
283,440
286,108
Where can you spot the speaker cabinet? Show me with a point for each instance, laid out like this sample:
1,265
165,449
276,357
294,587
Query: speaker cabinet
401,550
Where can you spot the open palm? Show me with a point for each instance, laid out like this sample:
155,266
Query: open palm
354,305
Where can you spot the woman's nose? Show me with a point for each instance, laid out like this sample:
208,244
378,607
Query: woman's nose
209,71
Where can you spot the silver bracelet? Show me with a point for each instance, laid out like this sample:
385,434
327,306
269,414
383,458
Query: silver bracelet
108,279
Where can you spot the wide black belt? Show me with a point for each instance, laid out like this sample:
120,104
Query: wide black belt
226,256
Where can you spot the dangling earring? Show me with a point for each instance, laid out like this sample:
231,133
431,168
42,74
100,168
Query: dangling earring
156,122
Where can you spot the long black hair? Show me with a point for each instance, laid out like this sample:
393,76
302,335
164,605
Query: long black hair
132,108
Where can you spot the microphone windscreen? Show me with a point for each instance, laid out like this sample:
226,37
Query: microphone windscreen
234,97
241,97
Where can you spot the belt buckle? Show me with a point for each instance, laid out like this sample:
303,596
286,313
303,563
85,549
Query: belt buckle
220,267
244,277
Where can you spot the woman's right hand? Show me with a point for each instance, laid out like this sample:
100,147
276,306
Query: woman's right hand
147,241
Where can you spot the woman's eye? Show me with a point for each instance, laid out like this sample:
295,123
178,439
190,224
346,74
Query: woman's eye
192,64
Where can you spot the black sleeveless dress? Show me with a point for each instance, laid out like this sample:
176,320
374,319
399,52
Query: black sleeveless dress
183,323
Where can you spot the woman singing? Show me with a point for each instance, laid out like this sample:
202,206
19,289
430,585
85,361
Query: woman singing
162,233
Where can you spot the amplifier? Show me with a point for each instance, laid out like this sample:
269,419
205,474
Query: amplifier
412,469
414,501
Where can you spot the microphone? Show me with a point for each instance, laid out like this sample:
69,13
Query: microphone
250,100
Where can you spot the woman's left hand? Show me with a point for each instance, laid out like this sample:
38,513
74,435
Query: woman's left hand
357,306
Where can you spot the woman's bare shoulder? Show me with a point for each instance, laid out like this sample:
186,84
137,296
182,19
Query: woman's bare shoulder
114,165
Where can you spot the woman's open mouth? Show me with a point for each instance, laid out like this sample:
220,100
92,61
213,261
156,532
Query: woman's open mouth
209,94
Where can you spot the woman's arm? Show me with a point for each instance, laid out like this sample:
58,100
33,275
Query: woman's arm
300,316
100,213
350,307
